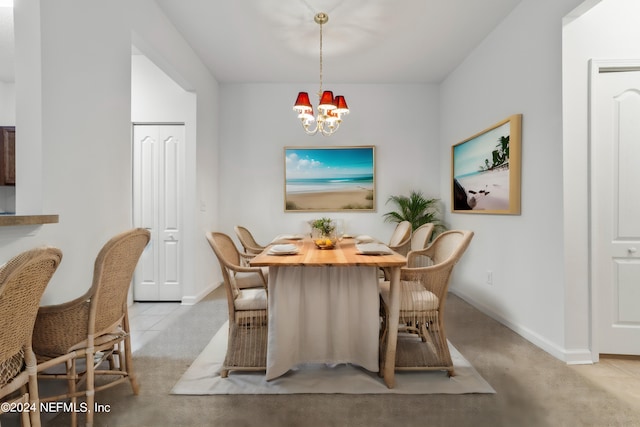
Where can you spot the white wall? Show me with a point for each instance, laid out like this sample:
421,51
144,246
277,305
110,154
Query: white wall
7,118
155,98
28,87
86,161
73,112
257,122
608,31
7,104
516,69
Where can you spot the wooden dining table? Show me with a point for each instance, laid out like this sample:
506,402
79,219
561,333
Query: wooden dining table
344,255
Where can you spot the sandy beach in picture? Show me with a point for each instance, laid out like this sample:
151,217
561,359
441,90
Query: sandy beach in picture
487,190
343,199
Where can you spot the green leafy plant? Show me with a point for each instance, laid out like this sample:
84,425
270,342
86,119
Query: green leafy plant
417,209
500,155
325,225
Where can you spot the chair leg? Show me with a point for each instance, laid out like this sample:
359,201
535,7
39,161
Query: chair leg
72,379
128,357
32,395
443,345
122,362
90,385
423,330
112,360
128,365
28,418
384,325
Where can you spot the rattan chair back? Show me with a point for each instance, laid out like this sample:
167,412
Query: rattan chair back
23,280
247,240
230,264
445,251
226,250
400,240
421,236
229,260
113,271
65,327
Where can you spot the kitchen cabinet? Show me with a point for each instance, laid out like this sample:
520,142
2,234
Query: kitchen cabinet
7,155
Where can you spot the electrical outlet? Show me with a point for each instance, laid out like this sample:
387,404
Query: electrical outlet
489,277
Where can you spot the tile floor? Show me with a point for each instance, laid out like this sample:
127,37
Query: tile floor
148,319
618,374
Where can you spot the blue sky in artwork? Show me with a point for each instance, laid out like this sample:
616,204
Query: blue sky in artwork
470,156
314,163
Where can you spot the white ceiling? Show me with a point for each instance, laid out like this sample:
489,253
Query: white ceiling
365,41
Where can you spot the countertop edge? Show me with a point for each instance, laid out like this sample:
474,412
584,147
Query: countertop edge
6,220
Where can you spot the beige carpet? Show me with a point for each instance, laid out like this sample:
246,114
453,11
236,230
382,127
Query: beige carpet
202,378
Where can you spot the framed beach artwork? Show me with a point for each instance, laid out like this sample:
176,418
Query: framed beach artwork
329,178
486,170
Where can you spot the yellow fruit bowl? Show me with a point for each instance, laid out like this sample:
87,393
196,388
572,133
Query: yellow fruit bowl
324,243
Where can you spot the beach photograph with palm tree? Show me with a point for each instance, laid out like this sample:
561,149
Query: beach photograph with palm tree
483,175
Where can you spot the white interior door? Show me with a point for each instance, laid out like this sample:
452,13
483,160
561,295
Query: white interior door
158,151
615,167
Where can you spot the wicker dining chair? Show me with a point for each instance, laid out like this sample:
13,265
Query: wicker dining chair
23,280
247,342
93,329
247,241
245,279
423,293
400,240
421,236
420,239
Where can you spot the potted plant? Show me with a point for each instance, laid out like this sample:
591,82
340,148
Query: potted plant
417,209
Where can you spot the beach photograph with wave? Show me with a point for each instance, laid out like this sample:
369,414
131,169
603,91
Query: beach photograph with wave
329,178
486,170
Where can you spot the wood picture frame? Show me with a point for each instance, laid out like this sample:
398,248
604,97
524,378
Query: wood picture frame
329,179
486,170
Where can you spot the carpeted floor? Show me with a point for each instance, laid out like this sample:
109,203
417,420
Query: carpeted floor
203,377
532,388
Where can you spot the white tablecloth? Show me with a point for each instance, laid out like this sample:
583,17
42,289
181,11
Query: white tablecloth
322,315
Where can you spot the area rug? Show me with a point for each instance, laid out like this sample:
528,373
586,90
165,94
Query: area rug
203,378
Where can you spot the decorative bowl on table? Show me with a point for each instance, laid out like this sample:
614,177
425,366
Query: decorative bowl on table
325,243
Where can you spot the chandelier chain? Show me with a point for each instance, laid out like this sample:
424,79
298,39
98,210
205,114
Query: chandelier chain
320,90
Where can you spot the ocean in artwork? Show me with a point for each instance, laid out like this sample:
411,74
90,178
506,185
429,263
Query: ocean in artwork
308,185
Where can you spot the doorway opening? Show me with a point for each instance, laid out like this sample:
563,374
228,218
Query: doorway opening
163,117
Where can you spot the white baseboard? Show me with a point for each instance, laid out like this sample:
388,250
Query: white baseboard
191,300
572,357
579,357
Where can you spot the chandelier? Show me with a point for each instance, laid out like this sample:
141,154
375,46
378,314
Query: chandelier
330,108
